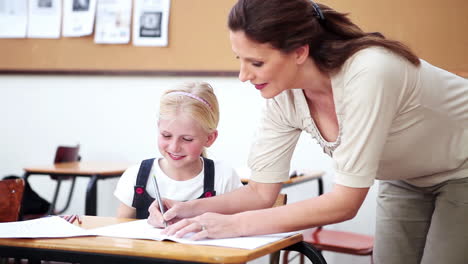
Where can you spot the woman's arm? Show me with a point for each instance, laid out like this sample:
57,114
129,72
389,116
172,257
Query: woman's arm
338,205
341,204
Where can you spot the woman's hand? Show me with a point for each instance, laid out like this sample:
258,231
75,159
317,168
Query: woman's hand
208,225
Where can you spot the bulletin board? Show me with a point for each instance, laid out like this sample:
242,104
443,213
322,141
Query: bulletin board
199,40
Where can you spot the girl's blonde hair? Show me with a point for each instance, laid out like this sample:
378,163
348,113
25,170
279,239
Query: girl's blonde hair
196,99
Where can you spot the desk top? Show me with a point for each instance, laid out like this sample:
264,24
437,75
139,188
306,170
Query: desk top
80,168
147,248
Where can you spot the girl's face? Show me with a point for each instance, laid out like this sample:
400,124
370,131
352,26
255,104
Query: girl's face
268,69
181,141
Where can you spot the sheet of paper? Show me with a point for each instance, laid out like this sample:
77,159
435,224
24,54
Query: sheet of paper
142,230
151,22
78,17
13,18
53,226
113,19
44,18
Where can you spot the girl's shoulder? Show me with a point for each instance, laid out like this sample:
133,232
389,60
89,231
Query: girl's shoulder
221,164
223,168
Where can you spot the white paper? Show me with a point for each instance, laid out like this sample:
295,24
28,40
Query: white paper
53,226
13,18
142,230
151,22
78,17
113,19
44,18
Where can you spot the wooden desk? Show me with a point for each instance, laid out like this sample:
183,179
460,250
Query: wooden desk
94,170
300,178
124,250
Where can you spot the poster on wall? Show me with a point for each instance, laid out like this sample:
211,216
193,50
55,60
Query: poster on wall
113,18
45,17
151,23
13,18
78,17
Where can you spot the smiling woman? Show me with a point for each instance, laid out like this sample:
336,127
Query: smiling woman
377,110
263,65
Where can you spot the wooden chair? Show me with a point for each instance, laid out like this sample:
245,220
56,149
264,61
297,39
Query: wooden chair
11,195
62,154
335,241
282,199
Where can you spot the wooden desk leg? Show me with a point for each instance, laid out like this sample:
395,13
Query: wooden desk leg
91,196
309,251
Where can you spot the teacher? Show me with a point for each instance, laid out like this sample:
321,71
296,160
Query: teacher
376,109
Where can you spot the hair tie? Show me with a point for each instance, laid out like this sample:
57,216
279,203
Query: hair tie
318,12
198,98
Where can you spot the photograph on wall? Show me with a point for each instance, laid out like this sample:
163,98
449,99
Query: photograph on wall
151,22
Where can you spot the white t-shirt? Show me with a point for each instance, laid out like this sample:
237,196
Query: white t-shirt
396,121
226,180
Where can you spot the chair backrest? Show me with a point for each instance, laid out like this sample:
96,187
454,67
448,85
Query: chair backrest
282,199
11,195
67,154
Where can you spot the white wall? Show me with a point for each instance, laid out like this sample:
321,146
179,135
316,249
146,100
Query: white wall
113,118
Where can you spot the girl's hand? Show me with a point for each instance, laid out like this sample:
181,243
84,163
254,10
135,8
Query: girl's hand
208,225
155,218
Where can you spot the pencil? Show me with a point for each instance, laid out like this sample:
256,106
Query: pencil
158,197
78,218
71,218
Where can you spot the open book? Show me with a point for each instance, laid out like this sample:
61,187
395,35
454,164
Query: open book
54,226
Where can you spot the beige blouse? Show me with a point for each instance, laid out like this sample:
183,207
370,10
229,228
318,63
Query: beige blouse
396,122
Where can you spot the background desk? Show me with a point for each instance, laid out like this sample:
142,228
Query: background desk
124,250
300,178
94,170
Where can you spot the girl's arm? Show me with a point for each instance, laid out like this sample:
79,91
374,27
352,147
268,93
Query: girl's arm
124,211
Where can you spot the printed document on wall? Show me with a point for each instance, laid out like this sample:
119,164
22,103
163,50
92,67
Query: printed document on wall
45,17
78,17
13,18
151,22
113,19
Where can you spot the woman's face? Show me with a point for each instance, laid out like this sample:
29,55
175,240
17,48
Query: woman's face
268,69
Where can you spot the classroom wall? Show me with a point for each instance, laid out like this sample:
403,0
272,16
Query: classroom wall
114,119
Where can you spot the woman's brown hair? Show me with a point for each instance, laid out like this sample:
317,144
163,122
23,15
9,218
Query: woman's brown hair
289,24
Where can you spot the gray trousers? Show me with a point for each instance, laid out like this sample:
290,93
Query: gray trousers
417,225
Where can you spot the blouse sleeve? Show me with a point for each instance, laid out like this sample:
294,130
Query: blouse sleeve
275,141
373,85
